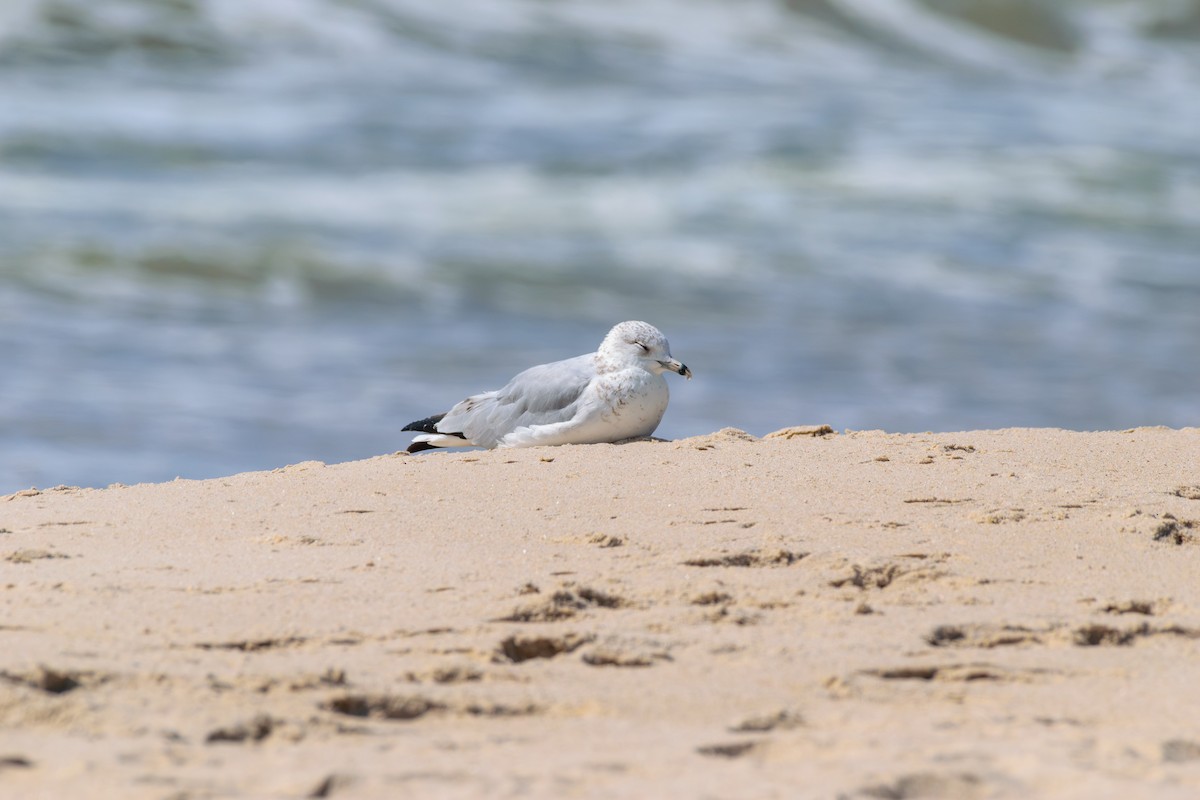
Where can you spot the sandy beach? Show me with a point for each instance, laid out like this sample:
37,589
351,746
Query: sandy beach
1010,613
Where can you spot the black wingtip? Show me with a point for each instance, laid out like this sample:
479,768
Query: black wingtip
419,447
427,425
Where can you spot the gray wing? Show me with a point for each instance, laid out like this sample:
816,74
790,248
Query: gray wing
541,395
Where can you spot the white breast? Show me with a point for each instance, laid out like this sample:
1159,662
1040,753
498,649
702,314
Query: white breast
632,403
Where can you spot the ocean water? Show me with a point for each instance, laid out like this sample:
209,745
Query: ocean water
239,235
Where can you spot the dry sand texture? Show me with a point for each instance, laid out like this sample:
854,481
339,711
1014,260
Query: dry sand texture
986,614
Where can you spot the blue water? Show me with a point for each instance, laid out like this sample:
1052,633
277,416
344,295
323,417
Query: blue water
239,235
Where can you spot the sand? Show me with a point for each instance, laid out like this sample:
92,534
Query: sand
1009,613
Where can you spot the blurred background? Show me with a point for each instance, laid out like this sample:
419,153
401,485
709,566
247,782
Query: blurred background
236,235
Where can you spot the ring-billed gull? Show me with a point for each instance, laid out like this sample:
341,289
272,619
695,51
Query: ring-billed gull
616,393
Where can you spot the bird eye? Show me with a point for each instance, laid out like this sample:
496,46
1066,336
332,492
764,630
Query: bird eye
642,345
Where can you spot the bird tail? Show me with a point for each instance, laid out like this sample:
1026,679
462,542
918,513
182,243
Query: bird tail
431,437
427,425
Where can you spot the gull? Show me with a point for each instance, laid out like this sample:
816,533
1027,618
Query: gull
615,393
